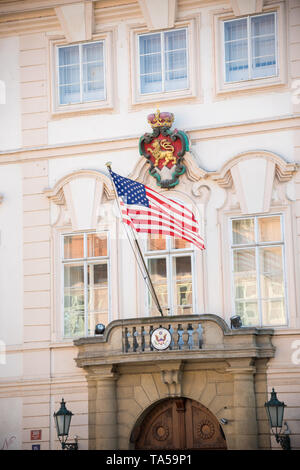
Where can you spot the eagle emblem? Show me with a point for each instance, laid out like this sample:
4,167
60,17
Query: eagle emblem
161,338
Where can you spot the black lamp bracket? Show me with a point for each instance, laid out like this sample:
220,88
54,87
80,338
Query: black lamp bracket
70,445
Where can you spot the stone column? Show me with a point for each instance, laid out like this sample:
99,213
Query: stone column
244,403
103,429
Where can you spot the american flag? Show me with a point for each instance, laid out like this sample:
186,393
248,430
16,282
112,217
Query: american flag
147,211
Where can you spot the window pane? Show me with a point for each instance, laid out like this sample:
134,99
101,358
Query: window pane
156,242
73,247
182,275
236,29
245,287
272,285
150,63
93,91
68,55
261,25
150,44
243,231
73,324
93,73
97,244
175,40
69,94
263,46
180,244
73,300
175,60
69,75
236,50
273,312
73,276
244,260
97,287
92,52
158,272
248,311
269,229
270,259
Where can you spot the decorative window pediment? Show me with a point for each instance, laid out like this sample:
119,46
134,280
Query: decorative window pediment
255,176
78,198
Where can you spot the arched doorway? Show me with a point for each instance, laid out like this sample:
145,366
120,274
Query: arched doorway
179,423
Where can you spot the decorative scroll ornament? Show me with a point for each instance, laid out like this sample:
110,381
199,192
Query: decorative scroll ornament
164,149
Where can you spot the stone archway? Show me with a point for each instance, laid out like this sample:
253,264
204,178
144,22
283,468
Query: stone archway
178,423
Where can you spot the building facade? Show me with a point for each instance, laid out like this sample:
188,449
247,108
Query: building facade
77,82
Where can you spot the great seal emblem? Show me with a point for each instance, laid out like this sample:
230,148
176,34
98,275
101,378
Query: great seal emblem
161,339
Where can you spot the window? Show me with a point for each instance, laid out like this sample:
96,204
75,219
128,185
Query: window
86,281
250,48
170,264
163,61
258,270
81,73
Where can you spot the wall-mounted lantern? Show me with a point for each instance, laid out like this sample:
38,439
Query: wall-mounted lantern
275,411
62,420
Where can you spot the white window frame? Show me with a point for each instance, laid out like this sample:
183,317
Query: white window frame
85,261
249,41
257,245
169,254
191,25
80,46
221,87
58,109
163,61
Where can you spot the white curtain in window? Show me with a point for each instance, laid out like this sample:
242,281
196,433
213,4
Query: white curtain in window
81,73
175,60
263,46
150,63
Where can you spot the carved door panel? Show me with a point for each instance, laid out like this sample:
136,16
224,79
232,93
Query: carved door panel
203,430
179,423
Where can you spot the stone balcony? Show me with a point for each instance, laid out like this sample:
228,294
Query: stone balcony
222,370
194,337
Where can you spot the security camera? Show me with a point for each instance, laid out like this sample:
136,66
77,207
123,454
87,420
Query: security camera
223,421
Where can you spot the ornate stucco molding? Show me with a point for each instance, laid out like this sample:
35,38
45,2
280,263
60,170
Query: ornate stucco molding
158,14
78,196
252,177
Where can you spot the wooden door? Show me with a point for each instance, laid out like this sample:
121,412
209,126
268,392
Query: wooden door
179,423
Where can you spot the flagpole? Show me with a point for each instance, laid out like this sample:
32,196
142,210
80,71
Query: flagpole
152,290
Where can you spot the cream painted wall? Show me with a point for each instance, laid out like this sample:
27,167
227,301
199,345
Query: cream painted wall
11,262
10,111
212,154
10,423
123,162
192,116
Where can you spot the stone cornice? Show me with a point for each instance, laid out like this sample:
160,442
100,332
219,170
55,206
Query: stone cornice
289,122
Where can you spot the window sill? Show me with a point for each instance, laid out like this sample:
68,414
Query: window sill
249,86
183,95
82,108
